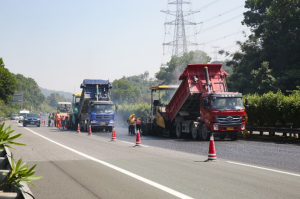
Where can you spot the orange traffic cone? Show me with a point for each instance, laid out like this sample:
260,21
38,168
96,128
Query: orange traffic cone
78,128
90,130
212,156
113,136
138,139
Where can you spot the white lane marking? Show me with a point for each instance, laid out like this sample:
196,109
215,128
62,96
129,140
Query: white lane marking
159,186
133,143
263,168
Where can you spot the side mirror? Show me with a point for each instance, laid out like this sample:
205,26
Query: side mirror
246,103
116,108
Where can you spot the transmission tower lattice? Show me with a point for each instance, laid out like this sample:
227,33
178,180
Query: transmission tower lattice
179,42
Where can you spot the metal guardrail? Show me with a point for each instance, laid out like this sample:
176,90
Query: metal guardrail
273,130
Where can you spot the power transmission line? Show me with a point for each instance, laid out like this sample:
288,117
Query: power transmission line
221,38
207,5
220,15
226,21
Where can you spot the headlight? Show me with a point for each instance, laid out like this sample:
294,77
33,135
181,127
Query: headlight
93,121
243,127
216,127
111,121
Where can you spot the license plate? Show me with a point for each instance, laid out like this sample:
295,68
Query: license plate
102,123
32,122
229,128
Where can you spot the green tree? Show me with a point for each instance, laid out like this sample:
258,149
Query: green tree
170,74
54,98
7,83
124,92
275,27
31,93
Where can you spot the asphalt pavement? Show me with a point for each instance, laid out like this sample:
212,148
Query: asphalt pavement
75,165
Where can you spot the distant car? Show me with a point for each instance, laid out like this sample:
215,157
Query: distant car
21,117
14,117
32,119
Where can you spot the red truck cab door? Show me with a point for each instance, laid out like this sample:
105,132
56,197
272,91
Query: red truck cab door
204,110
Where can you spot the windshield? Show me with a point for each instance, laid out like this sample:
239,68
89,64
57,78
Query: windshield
32,115
162,97
14,115
225,103
64,108
77,99
23,114
102,108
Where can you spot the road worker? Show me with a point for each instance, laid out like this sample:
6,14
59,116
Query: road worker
129,124
138,124
132,124
63,120
55,119
58,121
49,119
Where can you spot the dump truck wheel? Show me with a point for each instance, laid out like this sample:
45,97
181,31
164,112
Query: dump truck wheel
194,132
204,133
234,137
222,137
178,130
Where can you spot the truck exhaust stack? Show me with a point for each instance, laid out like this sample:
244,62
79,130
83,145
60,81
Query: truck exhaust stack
207,79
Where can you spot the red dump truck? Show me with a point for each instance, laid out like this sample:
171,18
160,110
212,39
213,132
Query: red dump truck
200,105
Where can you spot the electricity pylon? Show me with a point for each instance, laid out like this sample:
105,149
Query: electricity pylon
179,42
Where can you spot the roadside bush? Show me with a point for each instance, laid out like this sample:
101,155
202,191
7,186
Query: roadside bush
273,109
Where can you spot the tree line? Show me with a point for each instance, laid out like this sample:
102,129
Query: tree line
33,99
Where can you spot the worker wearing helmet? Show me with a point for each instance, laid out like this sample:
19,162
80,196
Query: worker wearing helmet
128,122
132,124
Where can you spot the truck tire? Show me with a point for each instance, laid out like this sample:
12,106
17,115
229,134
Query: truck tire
204,133
194,132
222,137
178,130
233,137
24,125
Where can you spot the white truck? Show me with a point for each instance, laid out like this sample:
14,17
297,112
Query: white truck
22,115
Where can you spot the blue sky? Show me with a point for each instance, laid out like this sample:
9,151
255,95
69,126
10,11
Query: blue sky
61,42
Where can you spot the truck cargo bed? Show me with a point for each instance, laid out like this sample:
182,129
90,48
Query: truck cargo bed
186,100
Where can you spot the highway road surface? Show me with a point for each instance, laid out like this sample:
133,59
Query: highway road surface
75,165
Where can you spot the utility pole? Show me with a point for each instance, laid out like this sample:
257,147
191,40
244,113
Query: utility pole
179,42
215,52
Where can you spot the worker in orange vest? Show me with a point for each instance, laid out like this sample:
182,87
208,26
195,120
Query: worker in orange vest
58,121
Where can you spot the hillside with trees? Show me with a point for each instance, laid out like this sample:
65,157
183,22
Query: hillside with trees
33,99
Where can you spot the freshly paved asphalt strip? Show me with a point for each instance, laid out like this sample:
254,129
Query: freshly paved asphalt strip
80,166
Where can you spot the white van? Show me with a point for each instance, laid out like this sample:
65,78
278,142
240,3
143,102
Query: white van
22,115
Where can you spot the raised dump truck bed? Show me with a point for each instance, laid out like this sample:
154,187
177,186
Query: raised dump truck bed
185,101
89,92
